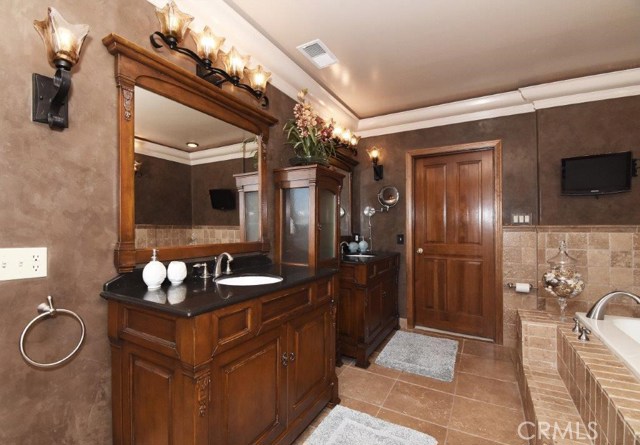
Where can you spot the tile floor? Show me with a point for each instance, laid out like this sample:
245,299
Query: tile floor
481,406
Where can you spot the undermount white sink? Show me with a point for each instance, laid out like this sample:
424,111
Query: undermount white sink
249,280
359,255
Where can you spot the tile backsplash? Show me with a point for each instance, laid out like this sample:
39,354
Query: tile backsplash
148,235
608,259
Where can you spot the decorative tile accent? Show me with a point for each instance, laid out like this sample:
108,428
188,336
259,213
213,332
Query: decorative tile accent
165,236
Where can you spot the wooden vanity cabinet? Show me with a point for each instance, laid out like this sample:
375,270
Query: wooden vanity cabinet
256,372
368,308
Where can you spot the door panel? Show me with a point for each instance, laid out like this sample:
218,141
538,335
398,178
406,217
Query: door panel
249,382
309,346
454,251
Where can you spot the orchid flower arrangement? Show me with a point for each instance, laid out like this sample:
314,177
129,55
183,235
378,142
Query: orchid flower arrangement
309,134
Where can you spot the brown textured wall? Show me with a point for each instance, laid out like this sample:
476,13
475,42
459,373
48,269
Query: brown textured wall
163,192
584,129
518,135
60,191
217,175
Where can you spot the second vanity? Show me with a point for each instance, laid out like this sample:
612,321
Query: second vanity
226,364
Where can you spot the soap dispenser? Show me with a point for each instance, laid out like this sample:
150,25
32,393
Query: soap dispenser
154,272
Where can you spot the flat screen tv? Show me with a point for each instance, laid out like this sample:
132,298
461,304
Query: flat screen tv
223,199
597,174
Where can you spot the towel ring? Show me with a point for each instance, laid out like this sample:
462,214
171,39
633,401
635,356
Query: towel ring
47,310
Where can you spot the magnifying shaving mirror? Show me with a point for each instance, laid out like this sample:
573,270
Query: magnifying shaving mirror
388,197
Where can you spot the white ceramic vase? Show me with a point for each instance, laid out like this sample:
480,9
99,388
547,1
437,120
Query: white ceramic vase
176,272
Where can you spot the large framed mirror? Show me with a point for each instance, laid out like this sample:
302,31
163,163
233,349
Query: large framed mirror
178,198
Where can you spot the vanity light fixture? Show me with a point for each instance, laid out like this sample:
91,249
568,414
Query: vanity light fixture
62,41
174,25
374,154
345,138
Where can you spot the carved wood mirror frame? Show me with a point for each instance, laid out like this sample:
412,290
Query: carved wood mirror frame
135,66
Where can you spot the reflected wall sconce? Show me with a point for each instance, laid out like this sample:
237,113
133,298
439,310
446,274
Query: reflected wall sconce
174,25
374,154
63,42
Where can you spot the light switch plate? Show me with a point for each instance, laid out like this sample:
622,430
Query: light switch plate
23,262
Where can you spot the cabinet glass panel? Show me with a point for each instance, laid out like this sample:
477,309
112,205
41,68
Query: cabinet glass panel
295,227
251,216
327,225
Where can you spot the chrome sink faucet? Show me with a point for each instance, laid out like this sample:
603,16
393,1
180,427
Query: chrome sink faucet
218,270
597,311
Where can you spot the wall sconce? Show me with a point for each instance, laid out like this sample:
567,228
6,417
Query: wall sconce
174,24
374,154
63,42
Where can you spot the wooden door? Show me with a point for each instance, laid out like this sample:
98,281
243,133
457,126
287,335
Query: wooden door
309,357
454,242
249,383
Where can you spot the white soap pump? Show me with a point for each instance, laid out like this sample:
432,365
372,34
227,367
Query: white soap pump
154,272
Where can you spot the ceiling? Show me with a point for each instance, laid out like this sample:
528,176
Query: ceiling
409,54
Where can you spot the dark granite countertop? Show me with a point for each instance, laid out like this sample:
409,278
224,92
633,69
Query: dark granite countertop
377,256
196,296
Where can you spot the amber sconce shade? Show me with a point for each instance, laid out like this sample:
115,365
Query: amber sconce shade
207,44
378,171
173,23
63,42
258,78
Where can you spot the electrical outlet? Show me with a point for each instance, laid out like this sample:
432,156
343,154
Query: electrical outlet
20,263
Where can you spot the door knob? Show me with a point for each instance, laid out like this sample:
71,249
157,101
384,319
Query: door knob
419,251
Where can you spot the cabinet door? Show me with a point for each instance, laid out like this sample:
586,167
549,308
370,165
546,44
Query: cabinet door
389,297
310,349
249,387
374,309
151,385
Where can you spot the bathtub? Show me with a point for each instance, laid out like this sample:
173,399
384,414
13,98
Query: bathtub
620,334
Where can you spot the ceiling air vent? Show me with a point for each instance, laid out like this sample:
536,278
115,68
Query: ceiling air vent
318,53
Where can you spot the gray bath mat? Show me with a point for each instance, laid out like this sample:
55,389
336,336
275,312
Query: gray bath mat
420,354
344,426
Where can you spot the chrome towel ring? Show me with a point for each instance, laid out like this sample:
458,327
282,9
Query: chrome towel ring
47,310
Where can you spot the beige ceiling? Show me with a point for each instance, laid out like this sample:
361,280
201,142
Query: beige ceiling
406,54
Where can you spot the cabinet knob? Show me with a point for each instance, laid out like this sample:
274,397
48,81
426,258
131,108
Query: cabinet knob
285,360
419,251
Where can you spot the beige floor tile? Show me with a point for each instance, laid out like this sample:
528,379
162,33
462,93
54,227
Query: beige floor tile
436,431
486,367
364,386
382,370
486,350
485,420
458,438
359,405
489,390
428,382
419,402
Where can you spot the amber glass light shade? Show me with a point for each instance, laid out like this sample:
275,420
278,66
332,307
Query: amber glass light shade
207,43
173,22
374,154
258,78
62,40
234,63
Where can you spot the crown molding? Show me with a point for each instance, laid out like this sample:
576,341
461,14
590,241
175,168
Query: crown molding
218,154
289,78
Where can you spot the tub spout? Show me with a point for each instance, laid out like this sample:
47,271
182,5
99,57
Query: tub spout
598,309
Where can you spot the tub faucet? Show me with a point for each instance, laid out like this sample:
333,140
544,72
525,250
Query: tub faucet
597,311
218,270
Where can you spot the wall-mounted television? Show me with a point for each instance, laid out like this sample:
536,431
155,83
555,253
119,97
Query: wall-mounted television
223,199
597,174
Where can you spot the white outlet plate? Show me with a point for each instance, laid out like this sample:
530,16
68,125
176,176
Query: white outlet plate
23,262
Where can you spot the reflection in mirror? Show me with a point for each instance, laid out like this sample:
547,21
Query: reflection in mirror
388,196
186,163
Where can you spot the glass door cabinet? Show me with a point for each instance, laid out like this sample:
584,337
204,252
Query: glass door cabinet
307,213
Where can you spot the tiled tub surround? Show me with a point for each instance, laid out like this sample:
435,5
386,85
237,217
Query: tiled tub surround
608,259
148,235
565,381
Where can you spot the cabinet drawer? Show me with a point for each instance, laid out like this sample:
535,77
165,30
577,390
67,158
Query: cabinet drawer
324,291
277,307
233,325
